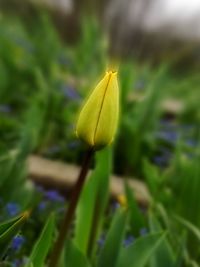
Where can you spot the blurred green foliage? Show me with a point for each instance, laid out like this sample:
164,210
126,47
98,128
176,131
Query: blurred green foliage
42,84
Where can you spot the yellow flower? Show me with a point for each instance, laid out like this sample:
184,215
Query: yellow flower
97,122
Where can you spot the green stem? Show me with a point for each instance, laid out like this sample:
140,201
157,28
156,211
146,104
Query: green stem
94,228
59,244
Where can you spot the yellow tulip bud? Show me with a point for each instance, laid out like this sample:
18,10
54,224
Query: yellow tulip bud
98,118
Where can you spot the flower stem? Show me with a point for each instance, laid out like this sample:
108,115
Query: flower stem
55,256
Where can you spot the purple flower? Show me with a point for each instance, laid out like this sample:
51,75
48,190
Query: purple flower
20,262
16,263
128,241
163,157
70,92
160,160
169,136
12,208
54,196
115,205
17,242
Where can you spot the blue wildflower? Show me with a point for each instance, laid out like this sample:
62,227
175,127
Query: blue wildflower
12,208
20,262
169,136
101,240
160,160
54,196
16,263
163,157
128,241
17,242
70,92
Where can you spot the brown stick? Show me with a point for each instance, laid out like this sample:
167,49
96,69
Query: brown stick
59,244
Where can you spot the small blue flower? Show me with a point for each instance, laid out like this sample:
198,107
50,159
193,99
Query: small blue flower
128,241
101,240
54,196
163,157
169,136
20,262
16,263
160,160
70,92
12,208
17,242
115,205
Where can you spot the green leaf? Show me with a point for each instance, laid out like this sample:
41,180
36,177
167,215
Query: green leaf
136,218
73,257
5,225
191,227
164,255
93,200
43,244
138,254
113,244
192,264
9,229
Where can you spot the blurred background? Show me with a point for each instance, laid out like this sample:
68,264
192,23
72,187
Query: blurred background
52,54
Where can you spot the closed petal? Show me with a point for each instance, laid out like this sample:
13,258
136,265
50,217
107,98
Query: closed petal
108,118
98,119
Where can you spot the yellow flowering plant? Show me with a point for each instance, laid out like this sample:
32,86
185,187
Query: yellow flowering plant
97,122
96,125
